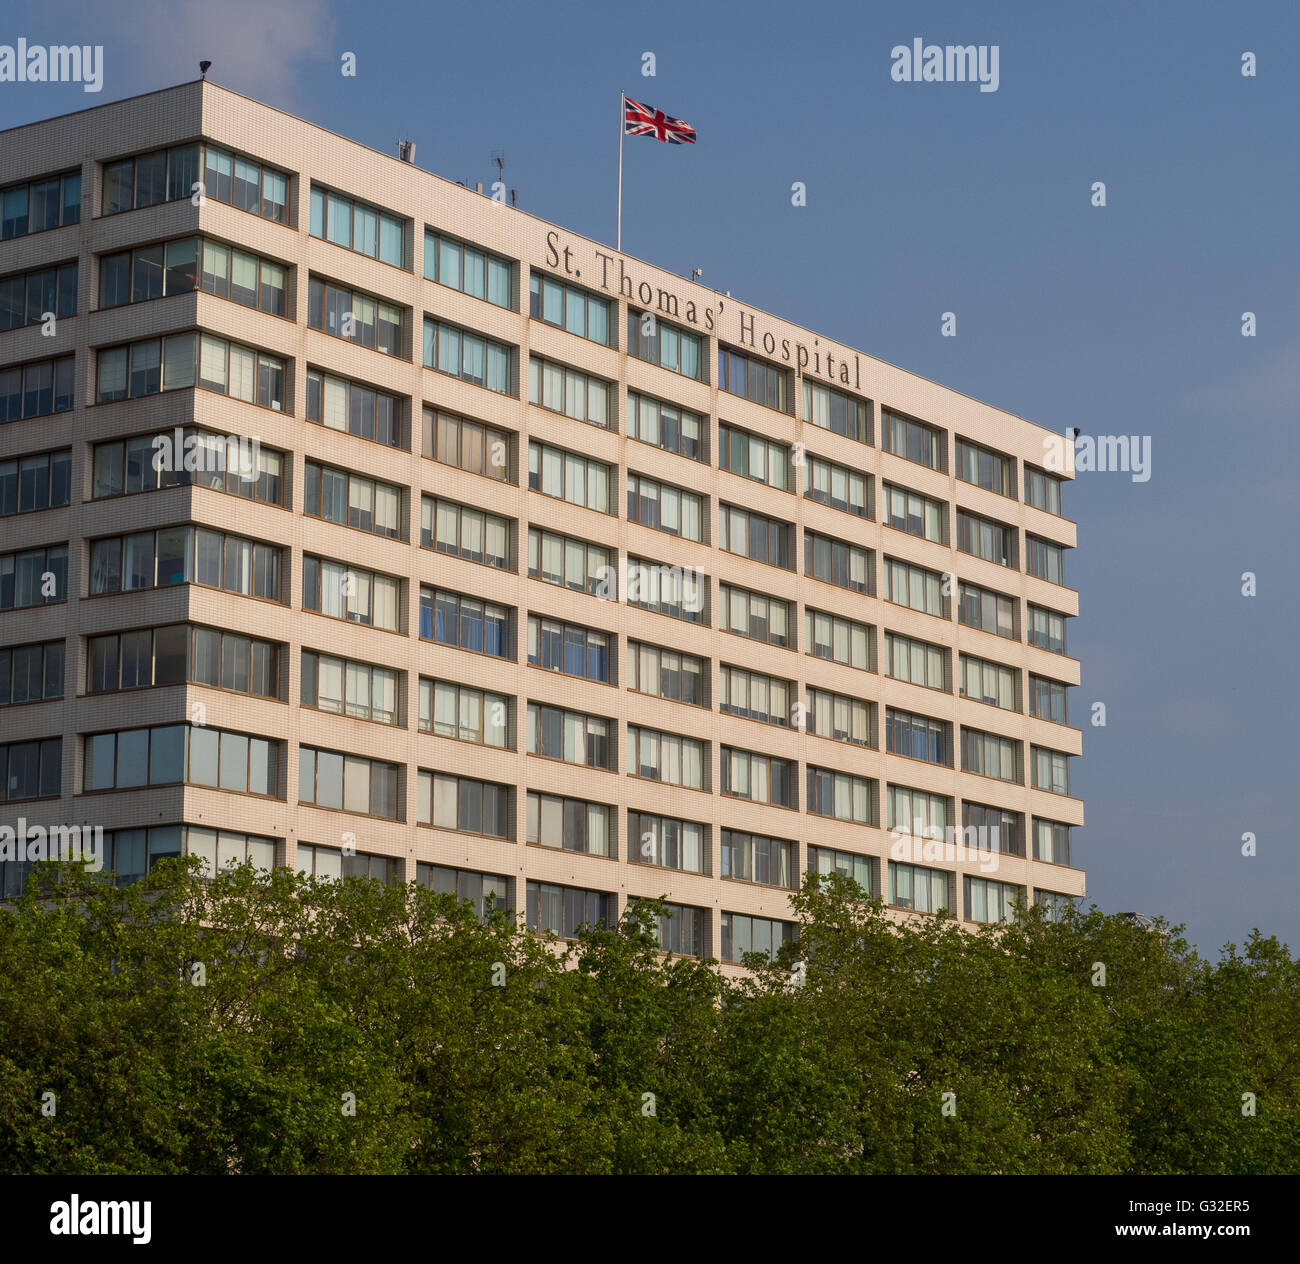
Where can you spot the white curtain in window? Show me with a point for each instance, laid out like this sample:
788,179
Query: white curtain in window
243,374
386,509
334,410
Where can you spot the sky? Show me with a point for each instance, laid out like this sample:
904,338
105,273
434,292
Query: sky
925,198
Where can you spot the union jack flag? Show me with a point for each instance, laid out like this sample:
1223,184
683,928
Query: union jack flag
645,120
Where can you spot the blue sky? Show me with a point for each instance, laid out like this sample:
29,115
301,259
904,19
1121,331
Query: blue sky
921,199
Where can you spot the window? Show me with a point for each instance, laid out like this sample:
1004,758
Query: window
754,696
667,757
35,577
355,409
668,842
31,770
1055,904
757,858
838,562
824,861
742,934
990,901
679,928
669,346
344,687
570,649
666,426
665,507
465,714
755,615
570,563
29,484
352,501
24,299
168,175
753,379
989,611
465,805
986,828
752,456
347,592
467,355
990,470
484,891
834,411
839,487
176,753
578,395
332,864
839,640
1045,559
571,736
915,587
568,307
1051,770
982,537
357,317
185,555
917,812
145,368
460,531
358,226
570,824
914,440
564,911
37,390
330,779
31,673
993,683
840,718
147,463
918,515
144,657
131,853
218,849
1051,841
759,778
845,797
667,674
756,536
467,623
917,662
468,445
1043,490
681,592
173,268
991,755
466,268
920,889
1047,699
1047,629
567,476
50,202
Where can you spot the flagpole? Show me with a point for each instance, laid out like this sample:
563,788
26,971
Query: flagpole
622,114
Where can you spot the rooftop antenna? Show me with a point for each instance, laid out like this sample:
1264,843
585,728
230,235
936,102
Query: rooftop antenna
499,157
203,69
696,273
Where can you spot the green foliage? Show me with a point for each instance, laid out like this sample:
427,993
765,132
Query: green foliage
266,1023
